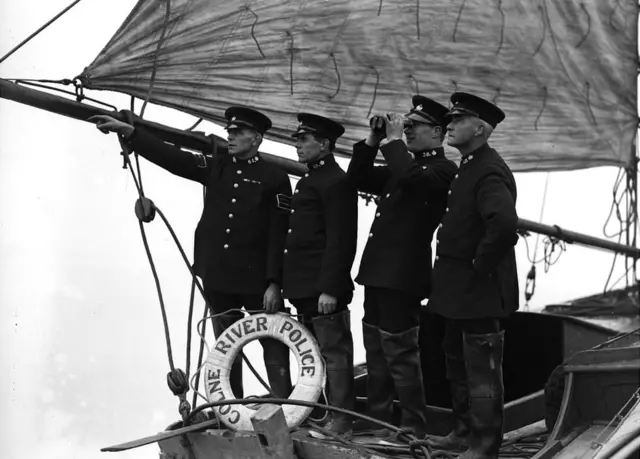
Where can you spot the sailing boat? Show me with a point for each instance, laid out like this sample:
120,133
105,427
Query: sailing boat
341,64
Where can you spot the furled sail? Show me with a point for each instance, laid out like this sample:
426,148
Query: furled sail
564,71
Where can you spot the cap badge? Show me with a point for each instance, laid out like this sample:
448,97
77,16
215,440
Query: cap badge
419,108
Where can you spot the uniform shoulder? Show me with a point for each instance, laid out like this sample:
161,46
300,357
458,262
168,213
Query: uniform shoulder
494,165
334,177
497,161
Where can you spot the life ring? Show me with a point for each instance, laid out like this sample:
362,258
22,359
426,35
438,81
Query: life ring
280,326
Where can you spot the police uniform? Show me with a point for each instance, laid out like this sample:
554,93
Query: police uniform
319,252
396,264
475,283
239,240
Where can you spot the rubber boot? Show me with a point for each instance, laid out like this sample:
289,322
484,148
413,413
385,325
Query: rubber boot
220,324
276,361
380,386
483,357
456,440
333,332
403,358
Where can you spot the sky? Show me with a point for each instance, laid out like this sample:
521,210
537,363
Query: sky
83,353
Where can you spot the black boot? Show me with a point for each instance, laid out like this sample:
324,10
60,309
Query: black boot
403,357
483,357
457,376
220,324
333,332
380,386
276,361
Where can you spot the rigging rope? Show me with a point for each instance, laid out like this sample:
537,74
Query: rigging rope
155,57
627,225
530,286
28,39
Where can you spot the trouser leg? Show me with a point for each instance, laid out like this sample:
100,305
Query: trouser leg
220,304
275,354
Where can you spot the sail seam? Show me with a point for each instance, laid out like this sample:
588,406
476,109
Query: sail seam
584,8
253,34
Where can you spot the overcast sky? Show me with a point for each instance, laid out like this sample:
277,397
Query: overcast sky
83,352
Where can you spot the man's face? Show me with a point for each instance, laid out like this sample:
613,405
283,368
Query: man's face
461,130
241,140
421,136
309,148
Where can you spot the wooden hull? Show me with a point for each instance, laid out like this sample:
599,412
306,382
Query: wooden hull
535,344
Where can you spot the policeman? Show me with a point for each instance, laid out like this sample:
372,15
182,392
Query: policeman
240,237
396,263
475,282
319,253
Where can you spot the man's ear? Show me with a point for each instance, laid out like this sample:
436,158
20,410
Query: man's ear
324,145
257,139
437,132
479,130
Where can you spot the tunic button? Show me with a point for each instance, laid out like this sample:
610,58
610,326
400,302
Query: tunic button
424,167
289,231
447,209
449,192
226,246
239,172
233,200
230,215
228,230
293,211
306,175
296,192
440,226
370,235
235,185
286,251
455,176
388,195
437,257
437,241
378,214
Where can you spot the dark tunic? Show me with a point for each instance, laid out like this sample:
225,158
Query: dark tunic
323,225
240,237
475,270
413,195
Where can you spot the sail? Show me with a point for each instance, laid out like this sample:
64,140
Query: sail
564,72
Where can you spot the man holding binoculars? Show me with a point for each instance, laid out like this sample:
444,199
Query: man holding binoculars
396,263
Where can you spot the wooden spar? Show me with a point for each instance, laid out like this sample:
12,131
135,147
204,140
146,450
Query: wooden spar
578,238
200,142
190,140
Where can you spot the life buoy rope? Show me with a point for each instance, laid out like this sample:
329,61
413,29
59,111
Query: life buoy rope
280,326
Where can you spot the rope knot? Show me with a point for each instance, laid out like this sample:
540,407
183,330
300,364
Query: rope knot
177,382
184,408
145,209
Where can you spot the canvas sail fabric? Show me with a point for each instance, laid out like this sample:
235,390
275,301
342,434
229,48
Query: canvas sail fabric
564,71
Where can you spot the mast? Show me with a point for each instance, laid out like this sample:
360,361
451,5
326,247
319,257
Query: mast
206,144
